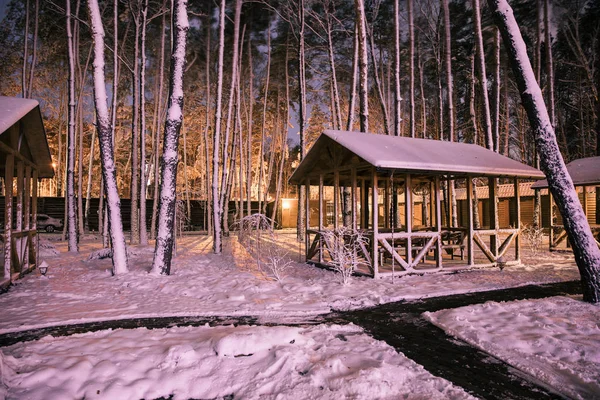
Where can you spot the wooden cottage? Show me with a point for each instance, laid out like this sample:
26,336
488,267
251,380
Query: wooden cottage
398,170
24,159
585,173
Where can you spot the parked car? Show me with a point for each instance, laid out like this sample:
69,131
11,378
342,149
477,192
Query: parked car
48,223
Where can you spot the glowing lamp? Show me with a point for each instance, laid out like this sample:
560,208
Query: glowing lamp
285,204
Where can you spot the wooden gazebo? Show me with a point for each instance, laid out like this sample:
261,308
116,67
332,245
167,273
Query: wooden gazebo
24,154
383,172
585,173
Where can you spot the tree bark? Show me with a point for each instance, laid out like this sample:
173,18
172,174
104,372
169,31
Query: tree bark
585,249
105,139
168,188
363,87
143,229
487,124
73,238
411,69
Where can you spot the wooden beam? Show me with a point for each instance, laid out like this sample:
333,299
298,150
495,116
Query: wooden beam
551,217
19,216
470,249
518,220
375,222
320,218
353,194
4,148
408,211
9,167
438,221
27,214
307,216
34,195
493,208
336,198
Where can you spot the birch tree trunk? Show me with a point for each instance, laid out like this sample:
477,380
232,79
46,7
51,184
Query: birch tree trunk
411,68
537,200
487,125
352,101
216,212
134,237
105,139
73,239
585,249
261,155
143,229
302,225
168,188
250,120
363,87
26,51
496,93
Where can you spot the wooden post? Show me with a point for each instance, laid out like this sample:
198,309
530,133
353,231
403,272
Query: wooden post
584,202
320,217
364,204
307,218
438,222
518,220
493,202
8,201
386,204
336,198
470,249
375,222
551,218
25,241
34,194
408,211
354,213
18,268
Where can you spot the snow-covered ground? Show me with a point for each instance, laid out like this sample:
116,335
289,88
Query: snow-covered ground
286,362
556,340
76,290
322,362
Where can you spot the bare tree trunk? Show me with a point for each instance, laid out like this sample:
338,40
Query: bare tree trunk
134,237
216,212
352,101
208,204
361,27
378,85
34,48
88,192
71,205
143,229
158,107
537,200
26,52
250,121
411,67
261,156
585,249
302,225
496,93
168,188
105,138
487,125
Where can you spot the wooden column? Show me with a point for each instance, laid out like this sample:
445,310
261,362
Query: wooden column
25,241
307,217
408,211
438,221
320,217
493,208
584,201
518,220
364,204
470,249
386,204
18,267
336,198
34,194
353,194
375,222
9,168
551,218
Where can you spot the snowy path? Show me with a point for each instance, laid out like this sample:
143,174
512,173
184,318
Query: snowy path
400,325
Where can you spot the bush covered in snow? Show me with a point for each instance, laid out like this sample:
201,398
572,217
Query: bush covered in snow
344,245
534,237
256,235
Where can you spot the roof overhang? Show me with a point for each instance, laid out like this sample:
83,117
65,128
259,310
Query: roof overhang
584,172
27,112
415,156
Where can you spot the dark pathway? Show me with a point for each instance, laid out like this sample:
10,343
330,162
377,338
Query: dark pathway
399,324
402,326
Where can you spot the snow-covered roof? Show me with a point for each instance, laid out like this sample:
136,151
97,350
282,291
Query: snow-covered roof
584,171
13,110
423,156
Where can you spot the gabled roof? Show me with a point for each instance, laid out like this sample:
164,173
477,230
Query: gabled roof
13,110
584,171
424,156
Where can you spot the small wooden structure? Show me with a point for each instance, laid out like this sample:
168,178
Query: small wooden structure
24,153
585,173
378,170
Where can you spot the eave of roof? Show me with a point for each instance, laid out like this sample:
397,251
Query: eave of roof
13,110
583,172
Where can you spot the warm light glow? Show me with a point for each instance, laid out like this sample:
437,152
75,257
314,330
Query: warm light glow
285,204
53,165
